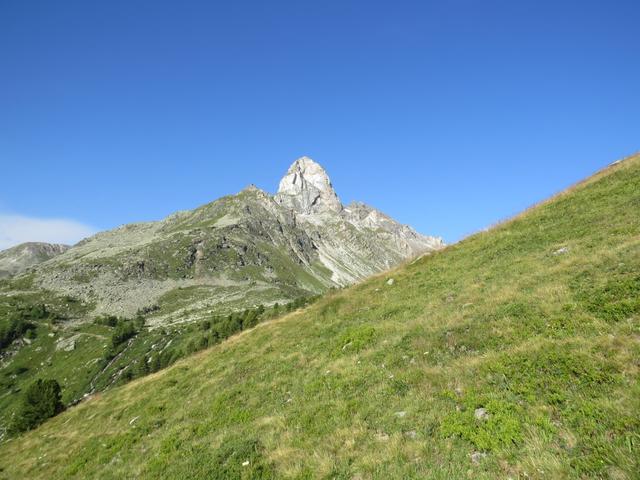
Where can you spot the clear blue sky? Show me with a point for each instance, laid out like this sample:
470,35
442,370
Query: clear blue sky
448,115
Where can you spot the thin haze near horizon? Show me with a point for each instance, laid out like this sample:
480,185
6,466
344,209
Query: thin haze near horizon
449,116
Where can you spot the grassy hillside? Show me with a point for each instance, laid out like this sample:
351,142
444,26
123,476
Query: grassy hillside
513,354
44,335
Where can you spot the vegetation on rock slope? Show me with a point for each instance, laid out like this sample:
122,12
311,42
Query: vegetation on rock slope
46,336
515,353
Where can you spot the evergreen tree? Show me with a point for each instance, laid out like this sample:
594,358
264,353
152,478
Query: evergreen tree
142,367
42,400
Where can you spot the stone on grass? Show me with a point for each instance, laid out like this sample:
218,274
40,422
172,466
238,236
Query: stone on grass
481,414
67,344
477,457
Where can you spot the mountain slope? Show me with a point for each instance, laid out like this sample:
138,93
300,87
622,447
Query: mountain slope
17,259
186,282
241,250
515,353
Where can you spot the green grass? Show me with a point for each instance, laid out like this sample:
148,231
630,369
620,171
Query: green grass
97,362
383,381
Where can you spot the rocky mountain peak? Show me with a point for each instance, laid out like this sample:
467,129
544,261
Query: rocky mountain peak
306,188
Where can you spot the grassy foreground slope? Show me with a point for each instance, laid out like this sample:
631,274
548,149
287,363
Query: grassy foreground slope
519,346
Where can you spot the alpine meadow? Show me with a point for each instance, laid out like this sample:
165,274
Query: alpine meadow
336,240
514,353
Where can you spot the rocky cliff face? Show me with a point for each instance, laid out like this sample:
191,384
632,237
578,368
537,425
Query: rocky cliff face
239,251
307,190
354,241
17,259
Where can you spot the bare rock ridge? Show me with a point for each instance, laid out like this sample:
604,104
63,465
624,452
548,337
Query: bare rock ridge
17,259
307,190
236,252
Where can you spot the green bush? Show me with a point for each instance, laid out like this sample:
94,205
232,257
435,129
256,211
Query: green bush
501,428
15,327
355,339
41,400
107,320
123,332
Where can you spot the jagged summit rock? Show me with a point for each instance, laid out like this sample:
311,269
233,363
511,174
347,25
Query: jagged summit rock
306,189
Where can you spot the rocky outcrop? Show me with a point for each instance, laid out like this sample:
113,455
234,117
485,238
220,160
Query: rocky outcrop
354,241
307,190
17,259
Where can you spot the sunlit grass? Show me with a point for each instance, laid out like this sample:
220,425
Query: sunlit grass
385,381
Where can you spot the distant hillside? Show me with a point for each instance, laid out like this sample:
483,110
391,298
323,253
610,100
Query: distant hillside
512,354
17,259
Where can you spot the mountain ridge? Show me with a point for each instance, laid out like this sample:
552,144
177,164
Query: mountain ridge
273,248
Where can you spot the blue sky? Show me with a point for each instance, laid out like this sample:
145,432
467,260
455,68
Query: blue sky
448,115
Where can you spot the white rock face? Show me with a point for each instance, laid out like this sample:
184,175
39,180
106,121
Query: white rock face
405,238
306,189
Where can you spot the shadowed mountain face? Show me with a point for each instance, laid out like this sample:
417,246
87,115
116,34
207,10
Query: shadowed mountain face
239,251
17,259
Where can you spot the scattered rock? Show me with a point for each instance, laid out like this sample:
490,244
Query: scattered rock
481,414
560,251
391,281
477,457
67,344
